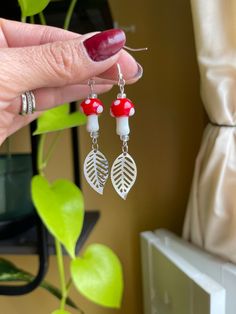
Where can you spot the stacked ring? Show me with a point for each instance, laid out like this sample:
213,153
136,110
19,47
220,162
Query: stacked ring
28,104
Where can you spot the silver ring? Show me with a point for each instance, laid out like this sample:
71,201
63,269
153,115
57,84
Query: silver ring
28,103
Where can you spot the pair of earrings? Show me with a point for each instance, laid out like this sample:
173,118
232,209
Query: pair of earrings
96,166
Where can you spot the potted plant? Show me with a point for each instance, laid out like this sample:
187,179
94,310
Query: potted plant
98,273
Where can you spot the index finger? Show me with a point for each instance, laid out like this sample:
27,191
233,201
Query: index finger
23,34
20,34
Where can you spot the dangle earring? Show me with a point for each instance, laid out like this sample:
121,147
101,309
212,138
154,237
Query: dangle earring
124,170
96,168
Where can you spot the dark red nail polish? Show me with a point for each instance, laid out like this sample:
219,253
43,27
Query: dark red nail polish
105,44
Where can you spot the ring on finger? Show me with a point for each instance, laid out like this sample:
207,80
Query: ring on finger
28,103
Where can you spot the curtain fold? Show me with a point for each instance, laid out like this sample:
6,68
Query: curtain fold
210,220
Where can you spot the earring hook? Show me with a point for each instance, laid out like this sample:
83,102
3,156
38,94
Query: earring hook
135,49
120,75
91,83
121,82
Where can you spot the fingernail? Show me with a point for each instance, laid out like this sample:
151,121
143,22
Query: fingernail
105,44
139,73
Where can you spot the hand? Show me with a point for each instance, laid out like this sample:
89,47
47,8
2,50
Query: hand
56,65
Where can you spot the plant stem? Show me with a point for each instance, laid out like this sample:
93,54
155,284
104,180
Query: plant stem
69,14
23,19
42,18
40,162
32,19
68,285
64,297
61,270
51,148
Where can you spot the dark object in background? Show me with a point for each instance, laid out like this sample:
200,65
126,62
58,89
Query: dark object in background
15,179
25,234
88,16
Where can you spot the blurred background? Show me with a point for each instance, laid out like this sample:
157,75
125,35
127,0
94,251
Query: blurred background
166,135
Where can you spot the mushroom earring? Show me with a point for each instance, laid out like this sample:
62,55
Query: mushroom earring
124,170
96,167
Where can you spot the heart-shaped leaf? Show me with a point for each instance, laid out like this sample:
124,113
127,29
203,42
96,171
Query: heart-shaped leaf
61,208
57,119
32,7
60,312
9,272
98,276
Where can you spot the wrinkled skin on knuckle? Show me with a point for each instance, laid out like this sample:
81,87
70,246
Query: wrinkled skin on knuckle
61,58
8,73
47,35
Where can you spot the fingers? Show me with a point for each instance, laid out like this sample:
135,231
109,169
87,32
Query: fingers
23,34
132,72
19,34
104,81
60,63
47,98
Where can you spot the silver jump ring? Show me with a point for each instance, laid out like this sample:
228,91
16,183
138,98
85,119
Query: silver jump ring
28,104
121,83
125,148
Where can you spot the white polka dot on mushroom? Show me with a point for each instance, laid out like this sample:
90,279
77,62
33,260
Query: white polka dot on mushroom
100,109
116,102
132,111
127,104
87,101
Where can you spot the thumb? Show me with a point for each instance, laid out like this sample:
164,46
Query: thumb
59,63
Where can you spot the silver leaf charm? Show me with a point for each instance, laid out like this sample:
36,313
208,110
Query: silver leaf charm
96,170
123,174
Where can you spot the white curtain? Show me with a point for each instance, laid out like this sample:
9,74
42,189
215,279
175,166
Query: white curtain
210,221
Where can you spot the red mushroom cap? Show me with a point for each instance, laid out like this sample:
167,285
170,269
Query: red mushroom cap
122,107
91,106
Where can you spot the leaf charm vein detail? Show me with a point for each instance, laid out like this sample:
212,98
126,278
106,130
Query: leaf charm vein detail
96,170
123,174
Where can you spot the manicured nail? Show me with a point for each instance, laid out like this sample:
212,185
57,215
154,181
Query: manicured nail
139,73
105,44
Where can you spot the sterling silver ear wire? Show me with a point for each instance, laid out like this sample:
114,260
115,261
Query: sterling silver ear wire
96,167
135,49
124,170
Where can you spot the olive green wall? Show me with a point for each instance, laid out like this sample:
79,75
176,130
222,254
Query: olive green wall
166,133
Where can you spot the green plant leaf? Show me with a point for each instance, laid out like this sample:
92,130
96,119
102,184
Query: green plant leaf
61,312
61,208
57,119
32,7
9,272
98,276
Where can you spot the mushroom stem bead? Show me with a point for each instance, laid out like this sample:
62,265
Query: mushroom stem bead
122,126
92,123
